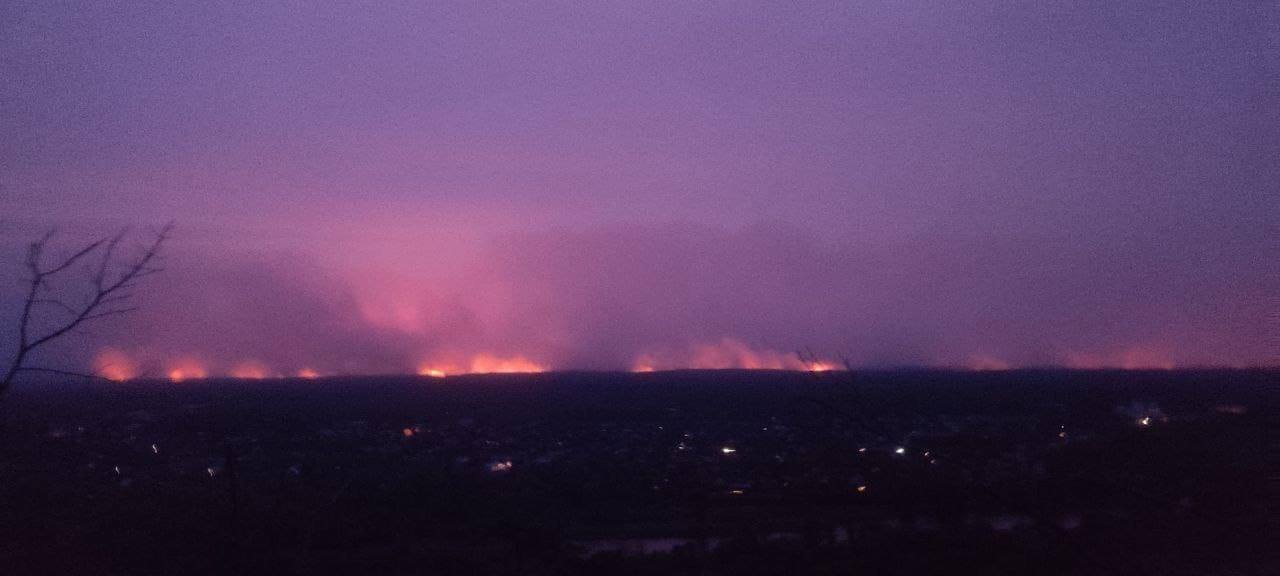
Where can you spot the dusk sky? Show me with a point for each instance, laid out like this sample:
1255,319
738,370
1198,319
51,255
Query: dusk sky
465,186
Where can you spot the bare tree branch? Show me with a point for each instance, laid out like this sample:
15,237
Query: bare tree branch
109,297
85,375
59,304
101,275
38,248
106,313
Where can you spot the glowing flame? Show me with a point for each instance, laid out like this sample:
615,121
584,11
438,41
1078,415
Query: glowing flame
486,364
114,365
186,369
308,373
644,363
250,370
821,366
729,353
481,364
432,371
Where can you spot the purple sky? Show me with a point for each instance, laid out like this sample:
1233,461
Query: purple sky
582,184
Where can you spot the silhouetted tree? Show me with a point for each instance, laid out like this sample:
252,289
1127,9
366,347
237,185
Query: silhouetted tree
110,293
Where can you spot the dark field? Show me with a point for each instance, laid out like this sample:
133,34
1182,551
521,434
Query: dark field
896,472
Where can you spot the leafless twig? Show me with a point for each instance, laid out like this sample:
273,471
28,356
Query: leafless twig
110,293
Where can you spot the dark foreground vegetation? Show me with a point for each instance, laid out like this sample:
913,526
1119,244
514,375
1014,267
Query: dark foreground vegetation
910,472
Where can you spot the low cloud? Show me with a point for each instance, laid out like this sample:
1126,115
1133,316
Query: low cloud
671,296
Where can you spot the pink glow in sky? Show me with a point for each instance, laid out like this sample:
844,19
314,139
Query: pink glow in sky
377,187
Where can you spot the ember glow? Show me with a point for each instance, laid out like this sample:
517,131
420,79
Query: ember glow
186,369
662,187
480,364
725,353
114,365
488,364
820,366
728,353
432,371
